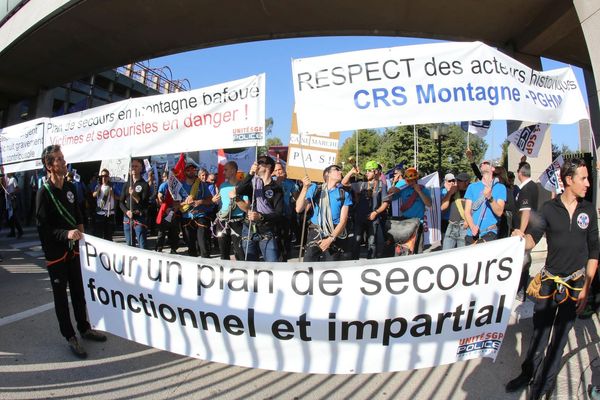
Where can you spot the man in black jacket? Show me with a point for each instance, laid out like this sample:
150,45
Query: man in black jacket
264,213
571,229
60,226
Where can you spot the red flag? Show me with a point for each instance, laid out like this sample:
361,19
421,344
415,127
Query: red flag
179,169
221,161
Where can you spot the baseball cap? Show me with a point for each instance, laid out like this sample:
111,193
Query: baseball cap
449,177
463,177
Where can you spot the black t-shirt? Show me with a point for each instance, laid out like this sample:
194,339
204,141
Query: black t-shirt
369,196
571,242
527,199
142,190
53,227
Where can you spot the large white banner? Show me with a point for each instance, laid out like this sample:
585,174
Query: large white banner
341,318
227,115
429,83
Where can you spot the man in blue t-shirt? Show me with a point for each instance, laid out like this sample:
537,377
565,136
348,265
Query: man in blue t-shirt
484,206
230,217
409,201
330,204
195,210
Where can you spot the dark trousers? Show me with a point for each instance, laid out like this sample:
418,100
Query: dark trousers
374,238
63,274
14,223
549,318
230,239
104,227
204,237
335,252
170,230
189,229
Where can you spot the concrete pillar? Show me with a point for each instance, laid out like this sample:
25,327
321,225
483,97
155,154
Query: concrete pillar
588,12
42,104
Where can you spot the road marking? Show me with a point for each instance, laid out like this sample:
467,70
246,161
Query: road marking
25,314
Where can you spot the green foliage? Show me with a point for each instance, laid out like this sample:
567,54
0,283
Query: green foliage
369,142
396,145
271,141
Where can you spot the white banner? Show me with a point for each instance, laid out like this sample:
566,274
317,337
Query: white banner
228,115
429,83
432,225
528,140
394,314
118,169
550,178
22,144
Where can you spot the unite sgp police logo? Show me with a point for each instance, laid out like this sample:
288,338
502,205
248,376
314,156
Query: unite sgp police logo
247,134
486,344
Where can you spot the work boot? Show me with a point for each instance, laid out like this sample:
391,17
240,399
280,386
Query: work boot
520,382
96,336
76,348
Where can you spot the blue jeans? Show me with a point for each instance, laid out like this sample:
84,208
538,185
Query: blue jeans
455,235
265,243
140,229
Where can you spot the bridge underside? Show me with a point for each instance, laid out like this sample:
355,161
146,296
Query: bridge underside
83,37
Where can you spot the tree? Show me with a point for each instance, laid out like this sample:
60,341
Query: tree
368,144
397,145
270,141
564,150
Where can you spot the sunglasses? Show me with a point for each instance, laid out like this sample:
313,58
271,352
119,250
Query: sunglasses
451,180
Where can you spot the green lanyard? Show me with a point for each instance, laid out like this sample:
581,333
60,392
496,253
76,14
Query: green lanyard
61,209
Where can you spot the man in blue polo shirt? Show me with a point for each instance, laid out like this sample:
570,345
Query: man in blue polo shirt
409,201
330,202
484,206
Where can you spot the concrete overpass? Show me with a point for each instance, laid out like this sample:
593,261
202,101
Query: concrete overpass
45,43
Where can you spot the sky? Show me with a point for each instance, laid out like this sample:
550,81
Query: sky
215,65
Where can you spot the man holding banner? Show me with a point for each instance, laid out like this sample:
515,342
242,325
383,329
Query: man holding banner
561,288
134,204
265,213
331,204
60,226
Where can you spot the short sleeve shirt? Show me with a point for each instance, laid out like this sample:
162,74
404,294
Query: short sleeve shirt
335,202
484,216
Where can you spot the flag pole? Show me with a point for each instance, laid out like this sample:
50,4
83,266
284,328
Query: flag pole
251,207
130,203
300,259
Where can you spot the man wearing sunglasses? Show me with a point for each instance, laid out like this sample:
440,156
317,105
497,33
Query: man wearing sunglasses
265,212
327,229
369,211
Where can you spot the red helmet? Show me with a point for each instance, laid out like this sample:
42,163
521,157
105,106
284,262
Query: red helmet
411,174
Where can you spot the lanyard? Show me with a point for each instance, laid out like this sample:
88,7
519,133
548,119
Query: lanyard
61,209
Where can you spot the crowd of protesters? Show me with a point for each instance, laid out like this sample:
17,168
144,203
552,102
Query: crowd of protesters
259,215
